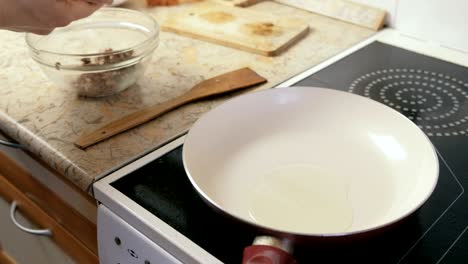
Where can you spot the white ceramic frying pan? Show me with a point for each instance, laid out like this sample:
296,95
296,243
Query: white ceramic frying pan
310,162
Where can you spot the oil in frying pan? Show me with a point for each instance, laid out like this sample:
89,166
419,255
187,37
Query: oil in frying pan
302,199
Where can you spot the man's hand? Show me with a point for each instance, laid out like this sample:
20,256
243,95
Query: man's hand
43,16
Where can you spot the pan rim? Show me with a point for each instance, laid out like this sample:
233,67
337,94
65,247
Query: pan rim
210,202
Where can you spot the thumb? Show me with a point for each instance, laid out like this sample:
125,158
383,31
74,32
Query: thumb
99,2
80,8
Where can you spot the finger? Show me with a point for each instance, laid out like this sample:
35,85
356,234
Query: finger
42,31
99,2
80,9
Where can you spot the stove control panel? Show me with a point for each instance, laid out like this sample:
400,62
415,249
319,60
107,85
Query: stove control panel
118,242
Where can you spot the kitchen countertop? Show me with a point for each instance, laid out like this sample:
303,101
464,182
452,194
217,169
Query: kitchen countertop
47,119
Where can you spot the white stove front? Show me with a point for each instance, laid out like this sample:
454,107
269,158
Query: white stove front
119,242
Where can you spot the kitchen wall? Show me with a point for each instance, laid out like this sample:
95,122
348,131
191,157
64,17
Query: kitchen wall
389,5
443,22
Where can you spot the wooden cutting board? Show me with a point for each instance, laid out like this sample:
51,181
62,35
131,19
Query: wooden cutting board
237,27
348,11
358,14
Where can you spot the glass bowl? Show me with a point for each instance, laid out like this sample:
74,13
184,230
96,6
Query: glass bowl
100,55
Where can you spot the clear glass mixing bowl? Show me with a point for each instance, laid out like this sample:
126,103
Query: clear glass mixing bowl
100,55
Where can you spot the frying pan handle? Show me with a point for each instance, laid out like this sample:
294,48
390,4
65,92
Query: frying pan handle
269,250
262,254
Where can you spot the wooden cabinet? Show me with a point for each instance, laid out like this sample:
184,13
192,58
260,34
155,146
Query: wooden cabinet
5,258
29,248
44,199
22,247
14,161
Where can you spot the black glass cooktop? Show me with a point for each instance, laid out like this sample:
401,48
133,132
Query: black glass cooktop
431,92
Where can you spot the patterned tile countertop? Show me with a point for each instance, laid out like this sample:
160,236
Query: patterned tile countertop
48,119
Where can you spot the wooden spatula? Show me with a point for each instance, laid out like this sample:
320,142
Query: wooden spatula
227,82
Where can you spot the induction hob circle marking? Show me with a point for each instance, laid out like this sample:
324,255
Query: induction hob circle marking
434,101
